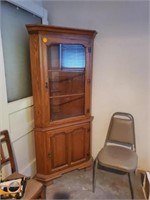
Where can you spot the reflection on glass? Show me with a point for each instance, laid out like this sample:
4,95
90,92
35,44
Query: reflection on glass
69,56
72,56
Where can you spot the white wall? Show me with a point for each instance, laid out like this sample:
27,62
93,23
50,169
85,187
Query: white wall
120,73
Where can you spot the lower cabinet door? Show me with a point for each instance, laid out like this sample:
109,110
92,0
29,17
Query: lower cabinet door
80,144
58,150
68,146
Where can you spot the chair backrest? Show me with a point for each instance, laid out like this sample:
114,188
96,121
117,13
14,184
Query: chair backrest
6,153
121,130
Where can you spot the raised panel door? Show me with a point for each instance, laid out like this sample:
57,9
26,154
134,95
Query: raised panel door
58,150
80,144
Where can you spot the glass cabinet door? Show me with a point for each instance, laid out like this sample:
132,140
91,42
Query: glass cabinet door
66,72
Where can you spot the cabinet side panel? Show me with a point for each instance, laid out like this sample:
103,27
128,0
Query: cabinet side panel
41,152
88,81
36,78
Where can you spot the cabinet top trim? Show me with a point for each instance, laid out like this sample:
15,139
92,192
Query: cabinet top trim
34,28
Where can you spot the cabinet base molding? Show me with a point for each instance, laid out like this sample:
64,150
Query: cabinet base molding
48,179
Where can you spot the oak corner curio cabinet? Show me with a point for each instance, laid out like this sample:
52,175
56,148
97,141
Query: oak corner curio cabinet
61,68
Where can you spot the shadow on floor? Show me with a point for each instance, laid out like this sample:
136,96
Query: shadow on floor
61,195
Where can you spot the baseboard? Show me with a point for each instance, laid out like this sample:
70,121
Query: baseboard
30,169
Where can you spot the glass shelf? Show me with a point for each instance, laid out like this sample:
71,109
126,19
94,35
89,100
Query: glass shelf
63,83
65,107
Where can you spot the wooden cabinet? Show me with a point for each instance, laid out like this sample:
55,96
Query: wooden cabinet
61,66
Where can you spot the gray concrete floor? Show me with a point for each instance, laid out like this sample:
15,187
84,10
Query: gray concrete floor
78,185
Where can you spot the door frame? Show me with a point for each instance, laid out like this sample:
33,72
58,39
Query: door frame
5,107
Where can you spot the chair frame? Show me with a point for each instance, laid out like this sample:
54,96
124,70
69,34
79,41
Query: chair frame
129,116
4,138
132,146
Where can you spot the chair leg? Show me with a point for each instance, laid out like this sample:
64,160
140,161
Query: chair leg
130,184
93,181
42,195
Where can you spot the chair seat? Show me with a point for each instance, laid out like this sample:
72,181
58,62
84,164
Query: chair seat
33,187
117,157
